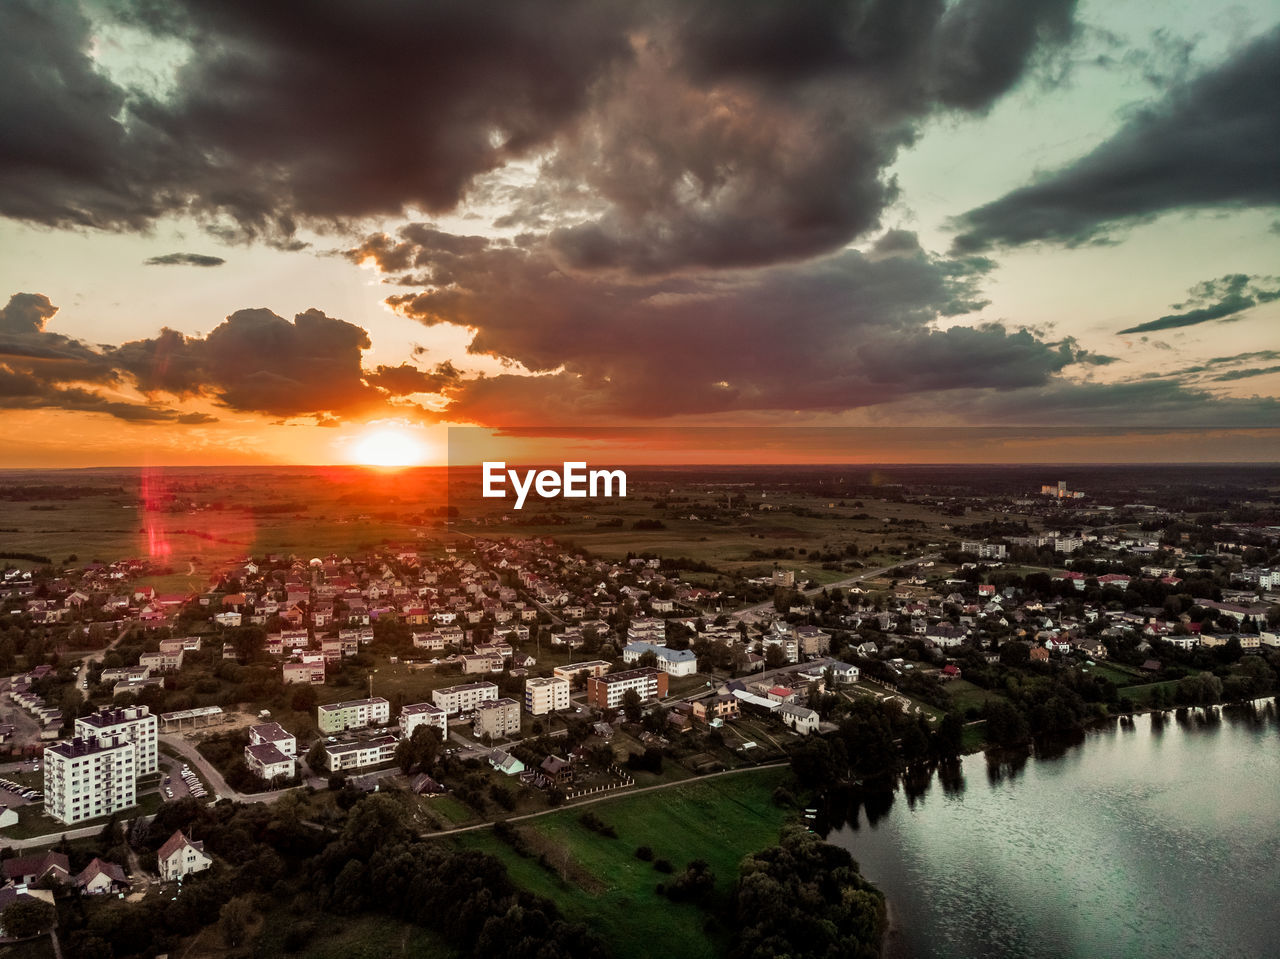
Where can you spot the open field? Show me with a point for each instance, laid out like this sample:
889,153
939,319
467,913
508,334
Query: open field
966,695
717,820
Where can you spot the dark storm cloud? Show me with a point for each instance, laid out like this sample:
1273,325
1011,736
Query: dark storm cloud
845,331
289,110
20,390
1212,142
404,379
256,361
1225,298
673,134
1134,403
65,157
27,347
185,259
26,313
983,47
748,134
1245,374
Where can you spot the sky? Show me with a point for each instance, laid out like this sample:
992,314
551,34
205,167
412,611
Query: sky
313,232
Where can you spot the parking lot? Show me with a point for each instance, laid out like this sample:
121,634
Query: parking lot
179,780
14,793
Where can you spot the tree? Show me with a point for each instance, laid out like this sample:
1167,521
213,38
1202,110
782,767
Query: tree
316,756
631,705
233,921
421,749
27,918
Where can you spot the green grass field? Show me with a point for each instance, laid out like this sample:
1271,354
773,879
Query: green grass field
965,694
719,820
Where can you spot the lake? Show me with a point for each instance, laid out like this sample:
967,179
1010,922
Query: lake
1155,838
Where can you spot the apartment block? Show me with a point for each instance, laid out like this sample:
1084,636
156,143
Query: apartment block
544,695
276,735
357,755
133,723
606,692
309,670
423,714
339,717
593,667
497,719
89,777
464,698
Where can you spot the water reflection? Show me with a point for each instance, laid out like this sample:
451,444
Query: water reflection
1145,838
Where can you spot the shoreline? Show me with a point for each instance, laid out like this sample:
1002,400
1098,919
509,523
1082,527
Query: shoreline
892,945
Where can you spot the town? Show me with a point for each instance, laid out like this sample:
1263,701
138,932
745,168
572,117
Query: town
474,674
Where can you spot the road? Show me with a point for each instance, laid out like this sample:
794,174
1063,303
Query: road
750,612
215,780
83,672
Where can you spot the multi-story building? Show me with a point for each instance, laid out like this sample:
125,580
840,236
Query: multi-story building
161,662
423,714
338,717
546,694
673,662
309,670
268,761
497,718
179,857
89,777
593,667
134,723
276,735
357,755
464,698
606,692
984,550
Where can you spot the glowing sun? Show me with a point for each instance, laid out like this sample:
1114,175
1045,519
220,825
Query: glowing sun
388,446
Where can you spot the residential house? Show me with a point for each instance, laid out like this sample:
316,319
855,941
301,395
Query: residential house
101,877
180,857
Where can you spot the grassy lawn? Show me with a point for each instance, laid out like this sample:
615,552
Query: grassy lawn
974,737
719,820
1141,695
32,820
965,694
1120,675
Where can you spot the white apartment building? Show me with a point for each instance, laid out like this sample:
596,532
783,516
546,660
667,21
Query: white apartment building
134,723
546,694
423,714
464,698
267,761
357,755
87,778
354,714
276,735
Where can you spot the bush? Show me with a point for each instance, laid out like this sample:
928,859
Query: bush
663,865
644,854
598,825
